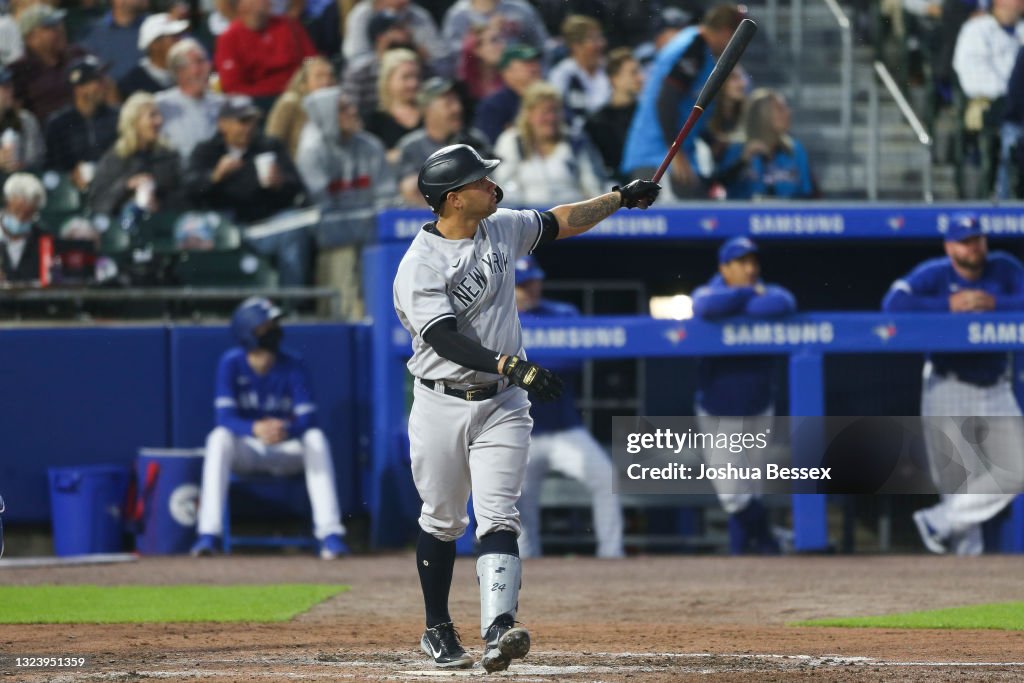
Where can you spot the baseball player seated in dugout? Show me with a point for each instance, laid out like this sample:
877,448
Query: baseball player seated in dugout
266,422
977,479
734,391
469,426
560,441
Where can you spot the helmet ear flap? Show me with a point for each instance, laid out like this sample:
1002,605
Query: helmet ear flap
499,192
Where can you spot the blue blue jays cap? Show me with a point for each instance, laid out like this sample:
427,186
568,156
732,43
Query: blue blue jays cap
249,315
962,226
735,248
528,269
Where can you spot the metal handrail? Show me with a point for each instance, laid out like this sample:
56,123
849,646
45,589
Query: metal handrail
796,37
771,20
846,68
81,295
873,132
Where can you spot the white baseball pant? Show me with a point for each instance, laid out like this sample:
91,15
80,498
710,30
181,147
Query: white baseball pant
995,464
458,447
226,453
734,495
576,454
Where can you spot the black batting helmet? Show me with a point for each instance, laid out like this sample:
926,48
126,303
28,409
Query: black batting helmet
448,169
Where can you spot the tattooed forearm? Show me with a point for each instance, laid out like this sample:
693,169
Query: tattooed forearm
586,214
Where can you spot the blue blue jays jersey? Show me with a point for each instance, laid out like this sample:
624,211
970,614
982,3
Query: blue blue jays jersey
242,396
784,174
561,414
928,288
739,385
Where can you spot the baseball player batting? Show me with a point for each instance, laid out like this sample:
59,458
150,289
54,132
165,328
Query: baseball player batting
968,279
469,427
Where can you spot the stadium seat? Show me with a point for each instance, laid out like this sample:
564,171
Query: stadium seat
61,194
231,268
227,235
272,489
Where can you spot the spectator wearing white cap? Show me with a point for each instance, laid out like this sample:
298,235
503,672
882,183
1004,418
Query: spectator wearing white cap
114,37
158,34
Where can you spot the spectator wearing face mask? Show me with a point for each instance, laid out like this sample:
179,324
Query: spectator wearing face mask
157,36
20,230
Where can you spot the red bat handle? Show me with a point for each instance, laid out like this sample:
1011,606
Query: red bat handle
683,132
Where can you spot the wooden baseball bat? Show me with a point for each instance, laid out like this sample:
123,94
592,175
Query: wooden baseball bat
732,53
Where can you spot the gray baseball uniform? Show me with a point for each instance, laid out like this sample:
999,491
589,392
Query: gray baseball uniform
469,427
454,442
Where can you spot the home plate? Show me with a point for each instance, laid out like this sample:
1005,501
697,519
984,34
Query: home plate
514,670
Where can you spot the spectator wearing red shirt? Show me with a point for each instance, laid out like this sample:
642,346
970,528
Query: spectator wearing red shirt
258,53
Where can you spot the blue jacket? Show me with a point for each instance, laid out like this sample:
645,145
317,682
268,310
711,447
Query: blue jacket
785,174
927,289
737,385
687,61
242,396
559,415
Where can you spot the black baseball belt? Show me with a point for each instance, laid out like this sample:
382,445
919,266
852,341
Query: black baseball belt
479,393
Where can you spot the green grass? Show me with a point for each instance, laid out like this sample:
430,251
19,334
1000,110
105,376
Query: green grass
1007,616
158,604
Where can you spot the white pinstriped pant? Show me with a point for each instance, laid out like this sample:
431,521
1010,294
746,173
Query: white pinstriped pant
993,465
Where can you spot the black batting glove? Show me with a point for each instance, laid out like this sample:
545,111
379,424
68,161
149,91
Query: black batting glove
542,384
638,194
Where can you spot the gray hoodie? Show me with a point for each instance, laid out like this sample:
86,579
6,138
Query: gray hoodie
349,179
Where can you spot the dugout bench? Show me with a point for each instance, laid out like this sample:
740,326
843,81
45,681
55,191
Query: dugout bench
805,338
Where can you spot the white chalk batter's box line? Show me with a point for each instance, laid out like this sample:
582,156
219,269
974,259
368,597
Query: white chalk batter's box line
523,671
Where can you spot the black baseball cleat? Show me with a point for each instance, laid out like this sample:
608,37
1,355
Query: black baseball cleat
442,644
505,642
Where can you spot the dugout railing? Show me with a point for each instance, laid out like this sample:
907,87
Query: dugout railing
805,338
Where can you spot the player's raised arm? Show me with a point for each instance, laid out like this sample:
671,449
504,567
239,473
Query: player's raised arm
575,219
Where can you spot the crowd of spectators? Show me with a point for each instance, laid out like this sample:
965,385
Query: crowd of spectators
965,56
259,110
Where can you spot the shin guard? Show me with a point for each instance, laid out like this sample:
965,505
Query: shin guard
500,577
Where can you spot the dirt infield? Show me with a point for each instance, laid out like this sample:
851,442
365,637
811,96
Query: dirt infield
641,619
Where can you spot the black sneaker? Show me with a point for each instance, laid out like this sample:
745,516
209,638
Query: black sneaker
505,642
443,645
